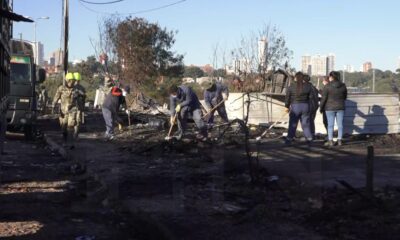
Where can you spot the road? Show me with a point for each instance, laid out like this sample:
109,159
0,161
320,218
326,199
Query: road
40,199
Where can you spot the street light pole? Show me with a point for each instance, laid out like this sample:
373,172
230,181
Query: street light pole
373,80
34,38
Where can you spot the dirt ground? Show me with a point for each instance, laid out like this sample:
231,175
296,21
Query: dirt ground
40,199
155,189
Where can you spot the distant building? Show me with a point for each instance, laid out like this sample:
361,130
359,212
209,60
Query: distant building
207,69
348,68
262,52
202,80
39,54
52,61
306,64
318,65
57,58
230,69
77,61
330,63
367,66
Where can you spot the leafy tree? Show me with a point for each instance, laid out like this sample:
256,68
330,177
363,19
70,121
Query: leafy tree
143,50
87,68
193,72
219,73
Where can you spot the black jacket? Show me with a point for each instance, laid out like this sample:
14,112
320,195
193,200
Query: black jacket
314,99
334,95
186,97
303,97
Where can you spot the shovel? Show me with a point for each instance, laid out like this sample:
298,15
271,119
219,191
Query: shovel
270,127
172,126
213,109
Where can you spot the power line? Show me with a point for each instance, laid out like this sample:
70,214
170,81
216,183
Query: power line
100,3
132,13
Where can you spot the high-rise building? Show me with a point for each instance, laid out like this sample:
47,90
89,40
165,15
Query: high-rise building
330,63
367,66
57,56
262,52
39,53
318,65
52,61
306,64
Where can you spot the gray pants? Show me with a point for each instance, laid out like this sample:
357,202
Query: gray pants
109,119
196,116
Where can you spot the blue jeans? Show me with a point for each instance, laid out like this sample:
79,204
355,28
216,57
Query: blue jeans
299,111
331,115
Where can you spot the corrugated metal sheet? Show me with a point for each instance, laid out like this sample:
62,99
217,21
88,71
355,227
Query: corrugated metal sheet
365,113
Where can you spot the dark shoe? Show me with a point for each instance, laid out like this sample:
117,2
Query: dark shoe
329,143
339,143
288,141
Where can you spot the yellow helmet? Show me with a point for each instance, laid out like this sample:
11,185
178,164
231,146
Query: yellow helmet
69,76
77,76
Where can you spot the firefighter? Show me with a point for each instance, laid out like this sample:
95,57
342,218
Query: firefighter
81,103
68,94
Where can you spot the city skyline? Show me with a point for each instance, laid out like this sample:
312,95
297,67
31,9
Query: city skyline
200,28
318,64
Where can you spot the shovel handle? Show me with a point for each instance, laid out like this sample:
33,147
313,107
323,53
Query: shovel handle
213,109
270,127
172,125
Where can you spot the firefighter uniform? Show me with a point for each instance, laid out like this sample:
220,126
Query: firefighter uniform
81,103
69,95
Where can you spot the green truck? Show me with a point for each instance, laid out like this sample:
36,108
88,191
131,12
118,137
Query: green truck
24,76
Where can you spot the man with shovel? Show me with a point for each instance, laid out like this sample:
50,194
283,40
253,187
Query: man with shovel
215,96
184,103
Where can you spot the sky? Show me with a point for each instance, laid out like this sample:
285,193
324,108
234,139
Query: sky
356,31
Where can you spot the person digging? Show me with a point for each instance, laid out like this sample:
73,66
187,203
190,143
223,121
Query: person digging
184,103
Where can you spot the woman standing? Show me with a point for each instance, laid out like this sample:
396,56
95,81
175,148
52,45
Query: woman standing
297,101
333,99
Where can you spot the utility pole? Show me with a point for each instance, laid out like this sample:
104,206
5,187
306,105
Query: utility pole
66,26
373,80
